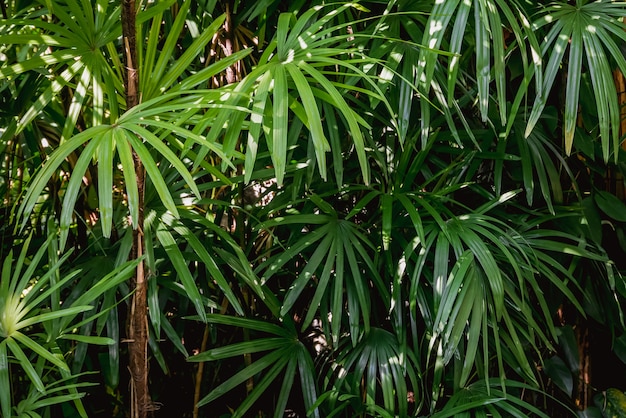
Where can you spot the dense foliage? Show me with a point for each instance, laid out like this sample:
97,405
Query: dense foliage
380,208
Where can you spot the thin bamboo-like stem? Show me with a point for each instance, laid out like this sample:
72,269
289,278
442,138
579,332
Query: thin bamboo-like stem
141,403
200,372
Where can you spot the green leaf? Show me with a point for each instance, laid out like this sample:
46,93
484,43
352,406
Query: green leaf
267,379
619,348
5,380
177,68
73,189
349,115
569,345
88,339
549,76
206,258
180,264
275,357
483,57
52,358
48,316
164,151
256,122
322,285
285,389
76,105
314,120
55,400
54,161
307,380
111,280
560,374
239,349
173,335
306,275
112,372
26,365
278,145
163,63
104,154
125,152
387,215
251,324
572,88
610,205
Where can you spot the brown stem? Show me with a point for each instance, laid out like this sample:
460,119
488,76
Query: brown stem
138,339
584,391
141,403
129,35
199,373
228,45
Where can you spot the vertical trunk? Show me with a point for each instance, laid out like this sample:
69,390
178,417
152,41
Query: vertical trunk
130,52
584,390
231,76
138,318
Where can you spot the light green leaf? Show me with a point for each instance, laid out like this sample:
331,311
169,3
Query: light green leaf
278,143
73,189
105,181
152,170
88,339
26,365
5,380
256,122
48,316
314,120
345,111
572,88
52,358
549,76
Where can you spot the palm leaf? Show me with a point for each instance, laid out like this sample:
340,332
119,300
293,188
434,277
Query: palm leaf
583,27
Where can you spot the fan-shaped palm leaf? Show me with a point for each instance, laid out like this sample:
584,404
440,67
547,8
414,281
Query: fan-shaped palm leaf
488,33
286,353
342,254
587,29
306,60
25,301
76,43
375,373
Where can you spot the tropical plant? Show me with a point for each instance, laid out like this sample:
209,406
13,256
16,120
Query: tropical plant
37,316
341,209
